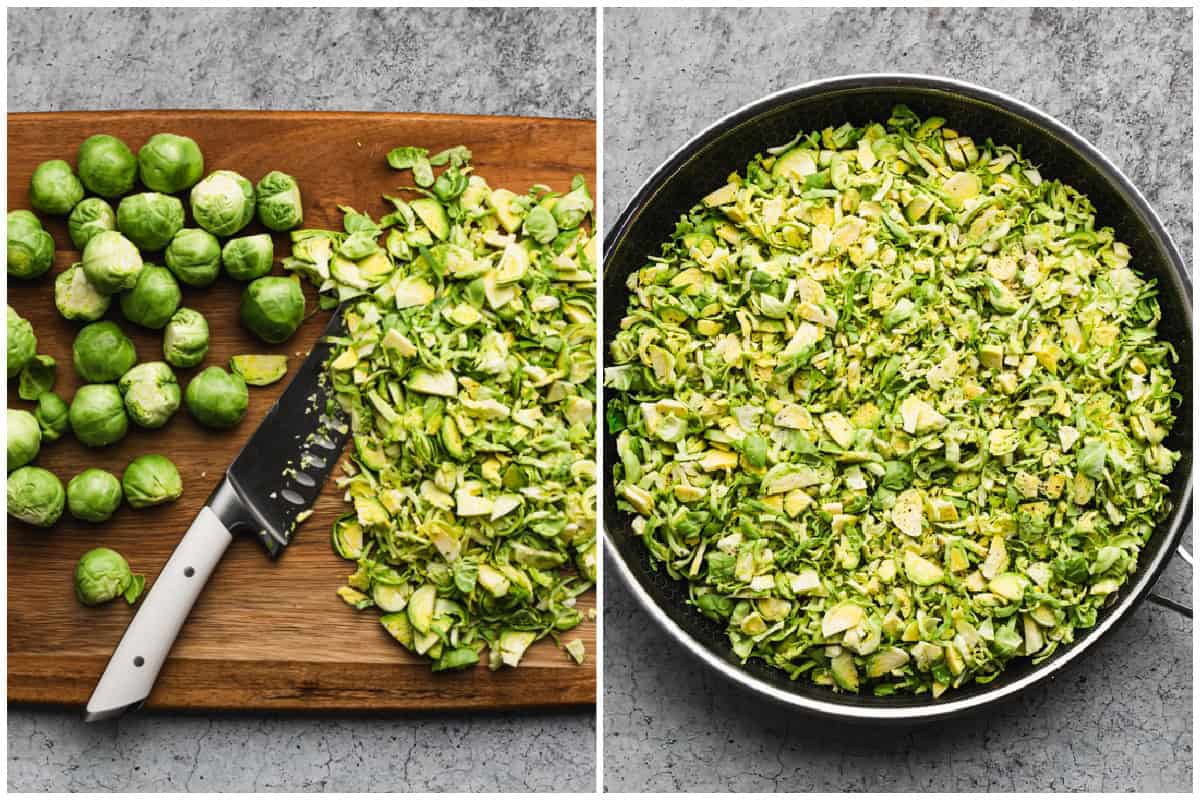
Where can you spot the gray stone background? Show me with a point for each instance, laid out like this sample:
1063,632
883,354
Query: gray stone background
540,63
1120,719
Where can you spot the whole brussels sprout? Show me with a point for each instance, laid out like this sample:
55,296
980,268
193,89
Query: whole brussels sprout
248,257
273,308
153,299
90,217
76,298
185,340
35,496
93,496
170,163
217,398
102,352
111,262
150,219
151,481
54,188
194,255
106,165
22,344
102,575
223,203
30,246
24,438
51,416
97,415
151,394
278,200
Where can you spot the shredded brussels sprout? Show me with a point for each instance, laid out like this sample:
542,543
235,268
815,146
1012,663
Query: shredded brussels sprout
467,370
894,406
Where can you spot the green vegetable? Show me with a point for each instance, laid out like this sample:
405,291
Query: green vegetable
259,370
76,298
103,575
107,166
30,247
217,398
278,199
90,217
54,188
248,257
151,480
154,298
892,404
185,339
194,256
169,163
102,352
150,219
111,262
97,415
467,369
35,496
22,344
151,394
223,203
273,308
51,415
37,378
24,438
93,495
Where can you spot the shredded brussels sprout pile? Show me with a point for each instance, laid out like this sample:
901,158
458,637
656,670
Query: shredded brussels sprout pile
894,406
468,373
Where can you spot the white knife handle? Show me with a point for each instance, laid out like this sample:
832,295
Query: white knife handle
134,666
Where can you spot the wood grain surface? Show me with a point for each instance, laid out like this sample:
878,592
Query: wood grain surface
264,635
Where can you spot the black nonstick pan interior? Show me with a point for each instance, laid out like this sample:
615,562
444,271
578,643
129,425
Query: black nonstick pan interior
701,166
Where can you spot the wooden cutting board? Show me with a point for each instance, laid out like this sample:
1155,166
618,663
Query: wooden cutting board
264,635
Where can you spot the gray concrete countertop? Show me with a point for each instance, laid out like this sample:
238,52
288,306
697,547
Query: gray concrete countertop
538,63
1118,720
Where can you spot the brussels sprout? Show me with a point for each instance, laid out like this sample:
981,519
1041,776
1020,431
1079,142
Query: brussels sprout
540,225
259,370
223,203
153,299
248,257
106,166
185,340
51,416
76,298
273,308
170,163
93,495
151,394
572,209
54,188
111,262
35,496
194,255
217,398
278,200
102,575
90,217
37,378
22,344
30,247
150,219
97,415
151,481
102,352
24,438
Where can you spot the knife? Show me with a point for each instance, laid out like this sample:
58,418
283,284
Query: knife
276,477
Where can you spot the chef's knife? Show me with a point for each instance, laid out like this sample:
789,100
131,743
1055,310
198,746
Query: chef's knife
278,475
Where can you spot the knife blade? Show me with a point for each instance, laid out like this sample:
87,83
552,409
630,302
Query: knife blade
276,476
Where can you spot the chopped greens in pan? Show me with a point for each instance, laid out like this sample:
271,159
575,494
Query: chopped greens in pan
893,404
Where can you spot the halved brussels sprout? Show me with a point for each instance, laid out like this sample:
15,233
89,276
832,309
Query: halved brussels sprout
259,370
154,298
97,415
106,166
90,217
185,339
111,262
223,203
170,163
150,219
30,247
54,188
278,199
102,352
75,297
151,394
194,255
35,496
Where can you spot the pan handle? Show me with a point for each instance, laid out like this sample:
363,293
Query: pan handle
1182,552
